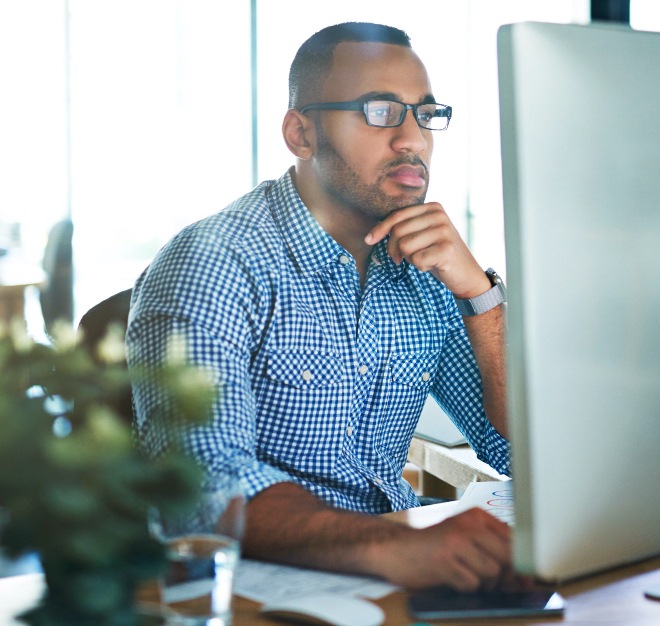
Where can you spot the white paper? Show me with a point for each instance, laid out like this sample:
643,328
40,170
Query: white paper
495,497
271,582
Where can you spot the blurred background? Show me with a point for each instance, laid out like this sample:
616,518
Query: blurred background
131,118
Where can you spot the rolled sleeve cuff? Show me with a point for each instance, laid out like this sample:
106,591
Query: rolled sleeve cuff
495,451
259,476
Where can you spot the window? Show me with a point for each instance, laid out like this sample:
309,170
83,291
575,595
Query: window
128,115
645,14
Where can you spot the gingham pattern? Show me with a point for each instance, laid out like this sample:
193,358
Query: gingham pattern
320,382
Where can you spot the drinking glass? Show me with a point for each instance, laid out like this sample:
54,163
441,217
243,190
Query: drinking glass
203,548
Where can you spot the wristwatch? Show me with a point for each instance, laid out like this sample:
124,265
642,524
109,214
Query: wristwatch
487,300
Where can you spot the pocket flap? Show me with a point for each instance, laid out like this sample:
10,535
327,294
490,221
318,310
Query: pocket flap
305,369
414,369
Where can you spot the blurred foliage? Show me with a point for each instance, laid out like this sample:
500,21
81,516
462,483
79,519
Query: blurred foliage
73,487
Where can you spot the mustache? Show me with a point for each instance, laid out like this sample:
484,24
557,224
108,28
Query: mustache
412,159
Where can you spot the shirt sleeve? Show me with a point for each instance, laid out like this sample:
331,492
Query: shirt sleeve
202,292
457,388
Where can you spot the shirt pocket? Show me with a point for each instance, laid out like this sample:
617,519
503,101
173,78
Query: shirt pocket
302,407
304,369
410,377
415,370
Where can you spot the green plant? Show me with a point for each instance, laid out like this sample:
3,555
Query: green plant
73,486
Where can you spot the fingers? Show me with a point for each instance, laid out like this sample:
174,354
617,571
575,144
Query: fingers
381,230
511,581
412,230
426,237
424,242
467,552
481,571
488,553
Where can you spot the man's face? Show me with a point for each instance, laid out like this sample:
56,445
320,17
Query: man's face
367,169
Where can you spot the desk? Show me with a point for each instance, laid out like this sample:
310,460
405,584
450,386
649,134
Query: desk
616,596
444,470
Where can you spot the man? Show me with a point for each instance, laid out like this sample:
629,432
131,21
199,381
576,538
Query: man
324,304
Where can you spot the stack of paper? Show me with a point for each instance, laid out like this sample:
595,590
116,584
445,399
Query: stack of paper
495,497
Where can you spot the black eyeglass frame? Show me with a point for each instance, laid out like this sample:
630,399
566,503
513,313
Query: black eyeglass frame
363,105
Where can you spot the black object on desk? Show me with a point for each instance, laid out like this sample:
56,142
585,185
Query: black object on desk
439,603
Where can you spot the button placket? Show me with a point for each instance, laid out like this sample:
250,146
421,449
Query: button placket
349,281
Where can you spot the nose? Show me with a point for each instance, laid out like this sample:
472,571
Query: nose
409,137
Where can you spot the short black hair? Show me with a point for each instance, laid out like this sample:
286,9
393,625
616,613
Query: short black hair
314,58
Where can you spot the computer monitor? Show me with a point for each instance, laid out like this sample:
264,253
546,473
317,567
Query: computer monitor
580,125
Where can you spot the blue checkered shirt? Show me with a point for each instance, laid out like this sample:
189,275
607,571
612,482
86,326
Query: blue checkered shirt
321,381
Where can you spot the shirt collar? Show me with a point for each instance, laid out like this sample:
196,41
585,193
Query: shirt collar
380,257
311,247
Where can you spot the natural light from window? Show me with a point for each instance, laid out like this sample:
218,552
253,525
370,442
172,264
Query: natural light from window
134,116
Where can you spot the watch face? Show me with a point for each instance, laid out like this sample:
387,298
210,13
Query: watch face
494,277
496,281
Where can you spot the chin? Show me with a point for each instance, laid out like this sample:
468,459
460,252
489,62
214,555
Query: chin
411,199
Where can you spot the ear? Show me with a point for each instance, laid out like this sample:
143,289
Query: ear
299,134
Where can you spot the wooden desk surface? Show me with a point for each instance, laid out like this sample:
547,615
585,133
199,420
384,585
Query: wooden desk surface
616,596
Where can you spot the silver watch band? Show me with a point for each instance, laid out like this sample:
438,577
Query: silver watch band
485,301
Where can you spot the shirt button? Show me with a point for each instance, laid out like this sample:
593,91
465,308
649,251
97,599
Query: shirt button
426,376
363,369
378,481
307,375
349,431
344,260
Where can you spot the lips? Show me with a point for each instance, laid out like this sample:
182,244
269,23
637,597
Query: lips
408,176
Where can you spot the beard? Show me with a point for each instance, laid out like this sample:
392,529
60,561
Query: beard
343,184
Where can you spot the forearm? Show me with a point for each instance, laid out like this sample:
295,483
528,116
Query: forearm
288,524
487,337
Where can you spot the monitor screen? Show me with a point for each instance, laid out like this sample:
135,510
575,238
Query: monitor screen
580,130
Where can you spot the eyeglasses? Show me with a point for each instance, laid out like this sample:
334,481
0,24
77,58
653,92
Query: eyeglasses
390,113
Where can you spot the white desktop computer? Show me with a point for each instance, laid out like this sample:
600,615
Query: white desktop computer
580,124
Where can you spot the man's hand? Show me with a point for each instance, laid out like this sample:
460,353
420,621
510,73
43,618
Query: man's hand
467,552
425,236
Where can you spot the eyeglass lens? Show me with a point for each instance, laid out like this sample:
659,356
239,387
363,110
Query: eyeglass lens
390,113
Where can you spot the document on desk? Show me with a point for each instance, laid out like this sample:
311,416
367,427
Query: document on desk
271,582
495,497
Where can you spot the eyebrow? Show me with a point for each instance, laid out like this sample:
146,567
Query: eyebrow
388,95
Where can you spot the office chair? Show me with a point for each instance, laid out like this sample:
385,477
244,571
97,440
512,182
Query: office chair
93,327
56,295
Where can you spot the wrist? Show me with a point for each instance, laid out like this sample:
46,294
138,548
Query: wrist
481,285
492,296
382,556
